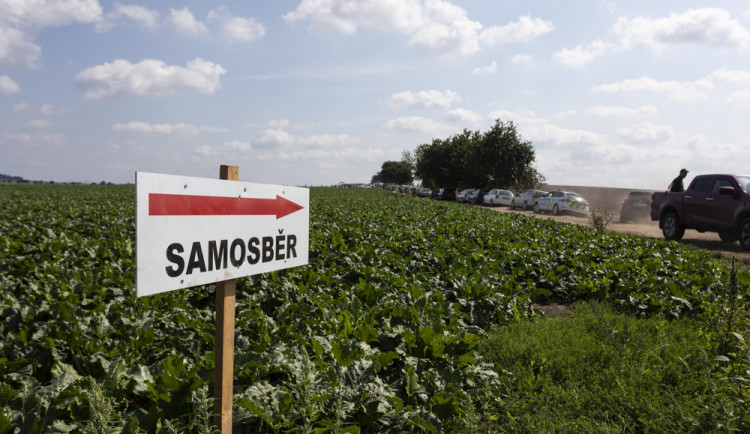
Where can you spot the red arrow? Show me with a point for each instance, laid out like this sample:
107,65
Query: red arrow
179,204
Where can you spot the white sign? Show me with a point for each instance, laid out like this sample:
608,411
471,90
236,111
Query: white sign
195,231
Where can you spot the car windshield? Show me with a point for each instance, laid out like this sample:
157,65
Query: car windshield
744,183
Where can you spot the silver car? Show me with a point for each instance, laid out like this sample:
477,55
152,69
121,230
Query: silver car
527,199
498,197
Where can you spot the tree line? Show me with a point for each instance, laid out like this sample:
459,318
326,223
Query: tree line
497,158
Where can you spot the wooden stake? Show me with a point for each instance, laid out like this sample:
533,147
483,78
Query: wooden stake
224,339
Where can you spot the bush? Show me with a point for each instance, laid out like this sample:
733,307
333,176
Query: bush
600,217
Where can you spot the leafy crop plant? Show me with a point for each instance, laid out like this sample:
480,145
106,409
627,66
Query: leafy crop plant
379,332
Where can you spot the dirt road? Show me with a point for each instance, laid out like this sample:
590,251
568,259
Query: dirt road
611,199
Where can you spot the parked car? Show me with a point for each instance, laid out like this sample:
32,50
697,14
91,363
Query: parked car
527,199
435,193
424,192
471,196
447,194
476,197
635,206
561,201
461,197
712,203
498,197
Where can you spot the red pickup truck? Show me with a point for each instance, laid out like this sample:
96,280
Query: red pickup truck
712,203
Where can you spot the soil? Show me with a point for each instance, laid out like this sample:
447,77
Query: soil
610,199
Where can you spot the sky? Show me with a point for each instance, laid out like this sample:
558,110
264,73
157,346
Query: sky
315,92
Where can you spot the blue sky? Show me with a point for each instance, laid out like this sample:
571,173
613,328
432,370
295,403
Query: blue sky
313,92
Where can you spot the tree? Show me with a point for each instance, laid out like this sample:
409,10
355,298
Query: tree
497,158
394,172
500,158
441,163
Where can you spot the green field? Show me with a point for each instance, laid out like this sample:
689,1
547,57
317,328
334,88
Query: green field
412,315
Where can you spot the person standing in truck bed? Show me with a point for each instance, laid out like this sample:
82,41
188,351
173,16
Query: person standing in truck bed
676,186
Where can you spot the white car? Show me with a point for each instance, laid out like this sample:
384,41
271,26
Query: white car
498,197
461,196
560,201
526,199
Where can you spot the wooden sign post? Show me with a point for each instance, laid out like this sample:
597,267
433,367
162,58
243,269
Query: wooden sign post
197,231
224,338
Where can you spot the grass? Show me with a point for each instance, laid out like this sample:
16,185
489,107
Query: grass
600,371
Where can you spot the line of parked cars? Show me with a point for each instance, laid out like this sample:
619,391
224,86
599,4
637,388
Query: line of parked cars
634,208
555,202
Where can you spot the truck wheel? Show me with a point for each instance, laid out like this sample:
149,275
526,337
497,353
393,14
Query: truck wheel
728,237
745,234
673,230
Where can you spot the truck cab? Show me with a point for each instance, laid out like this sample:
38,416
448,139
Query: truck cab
712,203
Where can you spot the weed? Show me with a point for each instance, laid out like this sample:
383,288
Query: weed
599,370
600,217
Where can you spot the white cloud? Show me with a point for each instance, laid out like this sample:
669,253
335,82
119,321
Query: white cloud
39,123
278,124
456,38
18,47
344,16
581,55
8,86
463,116
328,140
523,30
18,108
20,21
47,109
733,76
417,124
180,130
149,77
235,28
676,91
184,21
350,154
522,59
231,146
489,69
713,27
535,128
566,113
435,26
18,138
144,17
739,98
278,137
623,112
237,145
716,152
646,132
243,29
423,99
205,150
275,137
